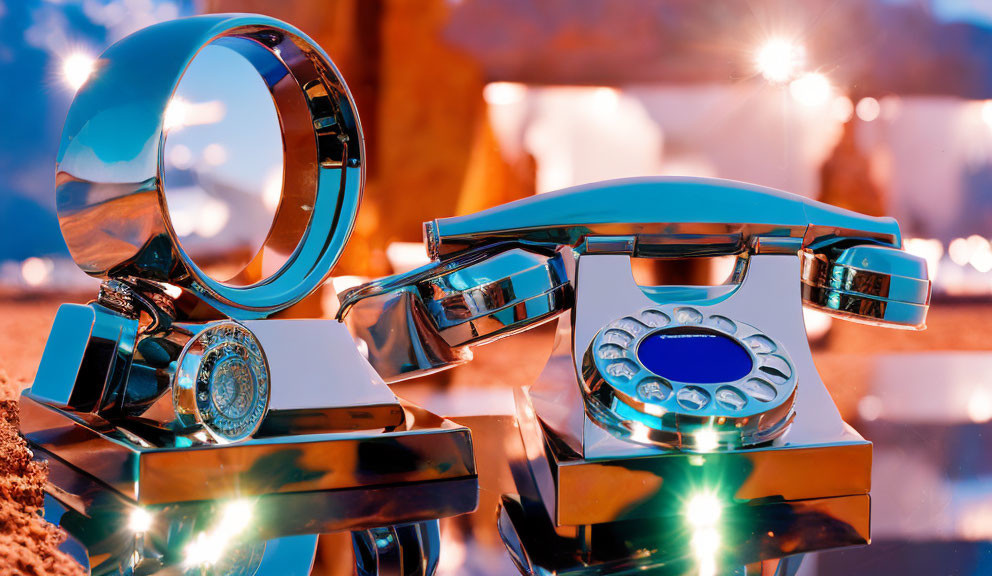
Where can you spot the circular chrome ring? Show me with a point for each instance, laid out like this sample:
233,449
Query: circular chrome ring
109,175
633,402
222,382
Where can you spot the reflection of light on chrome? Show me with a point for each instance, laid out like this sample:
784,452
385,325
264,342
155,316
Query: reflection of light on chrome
236,516
817,323
215,154
931,250
811,89
175,114
208,547
870,408
272,190
706,440
180,113
980,406
36,271
504,93
868,109
704,510
703,515
140,520
779,60
76,68
841,108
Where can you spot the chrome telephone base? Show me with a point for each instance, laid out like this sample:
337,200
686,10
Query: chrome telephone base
255,507
772,541
631,513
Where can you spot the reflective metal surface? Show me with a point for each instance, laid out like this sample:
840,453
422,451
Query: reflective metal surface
109,179
628,398
866,283
186,433
676,217
416,323
620,440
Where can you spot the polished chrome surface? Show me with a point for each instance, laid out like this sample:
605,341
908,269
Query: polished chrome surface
674,217
753,542
87,356
424,320
407,550
867,283
274,534
151,467
110,199
627,398
172,398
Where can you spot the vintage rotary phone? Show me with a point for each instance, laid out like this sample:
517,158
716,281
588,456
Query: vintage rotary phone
673,427
186,431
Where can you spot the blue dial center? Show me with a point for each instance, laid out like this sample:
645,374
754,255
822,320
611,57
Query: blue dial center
696,355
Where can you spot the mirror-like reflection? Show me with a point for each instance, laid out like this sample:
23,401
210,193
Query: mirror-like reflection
223,161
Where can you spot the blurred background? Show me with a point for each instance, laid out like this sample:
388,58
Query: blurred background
880,106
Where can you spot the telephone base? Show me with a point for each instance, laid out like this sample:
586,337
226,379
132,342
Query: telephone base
753,538
397,482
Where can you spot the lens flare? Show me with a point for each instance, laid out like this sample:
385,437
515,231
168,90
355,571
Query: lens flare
779,60
77,68
140,520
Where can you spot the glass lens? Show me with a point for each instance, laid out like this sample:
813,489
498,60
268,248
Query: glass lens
223,162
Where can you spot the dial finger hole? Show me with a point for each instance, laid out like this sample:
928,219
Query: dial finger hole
760,344
686,315
610,351
722,323
622,368
776,368
632,325
654,390
655,318
759,389
730,398
618,337
693,398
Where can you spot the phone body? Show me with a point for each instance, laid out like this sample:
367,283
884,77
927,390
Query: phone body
655,393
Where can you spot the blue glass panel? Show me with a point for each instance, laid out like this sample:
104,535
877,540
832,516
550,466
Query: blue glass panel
696,355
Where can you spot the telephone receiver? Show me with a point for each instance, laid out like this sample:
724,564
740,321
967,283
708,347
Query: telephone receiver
503,270
660,406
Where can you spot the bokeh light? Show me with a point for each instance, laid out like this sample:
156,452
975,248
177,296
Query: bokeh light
868,109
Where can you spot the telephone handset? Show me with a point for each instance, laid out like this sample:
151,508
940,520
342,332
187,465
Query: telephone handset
503,270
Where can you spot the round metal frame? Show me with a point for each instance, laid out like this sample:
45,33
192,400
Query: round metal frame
110,195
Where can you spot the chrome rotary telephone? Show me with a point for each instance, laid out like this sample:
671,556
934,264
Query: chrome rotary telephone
668,418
